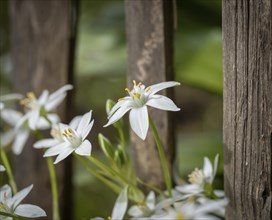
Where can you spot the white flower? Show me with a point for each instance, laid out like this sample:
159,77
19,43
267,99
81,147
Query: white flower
2,168
41,107
11,205
56,134
120,206
200,178
199,210
18,135
71,140
139,98
145,209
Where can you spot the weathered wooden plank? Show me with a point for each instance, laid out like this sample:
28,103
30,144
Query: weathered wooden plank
149,26
41,44
247,37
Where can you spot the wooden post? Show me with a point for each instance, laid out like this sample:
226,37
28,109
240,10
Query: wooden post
247,37
41,50
149,25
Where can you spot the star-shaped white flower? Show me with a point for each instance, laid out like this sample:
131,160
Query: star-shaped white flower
41,107
71,139
139,98
199,178
11,204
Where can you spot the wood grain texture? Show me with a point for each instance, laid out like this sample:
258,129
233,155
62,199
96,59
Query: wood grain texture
41,40
247,38
149,26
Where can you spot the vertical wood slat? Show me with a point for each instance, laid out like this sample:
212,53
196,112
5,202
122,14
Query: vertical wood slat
40,48
149,26
247,38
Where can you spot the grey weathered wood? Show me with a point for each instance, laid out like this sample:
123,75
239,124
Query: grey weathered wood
41,36
149,26
247,37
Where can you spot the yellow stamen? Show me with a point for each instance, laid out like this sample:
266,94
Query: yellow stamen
139,84
137,95
121,99
65,135
147,89
126,89
30,95
70,130
134,82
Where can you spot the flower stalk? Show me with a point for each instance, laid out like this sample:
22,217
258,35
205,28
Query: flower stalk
166,172
8,170
54,188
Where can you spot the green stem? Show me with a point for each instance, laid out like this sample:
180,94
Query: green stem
166,172
16,217
54,188
122,137
9,170
113,187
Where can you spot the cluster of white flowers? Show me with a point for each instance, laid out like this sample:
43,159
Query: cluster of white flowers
190,201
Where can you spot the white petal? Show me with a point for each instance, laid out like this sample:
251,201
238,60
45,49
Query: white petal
138,118
118,114
207,169
19,196
20,141
163,85
23,120
44,124
11,96
53,104
43,97
58,149
189,189
84,149
50,142
163,103
11,116
135,211
63,155
7,137
2,168
97,218
33,119
120,206
150,200
117,105
29,211
87,130
84,122
5,192
75,122
57,97
62,127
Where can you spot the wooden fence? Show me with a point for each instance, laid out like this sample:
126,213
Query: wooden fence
43,37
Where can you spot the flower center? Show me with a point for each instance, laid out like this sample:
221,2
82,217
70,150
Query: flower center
196,177
30,102
71,136
139,94
56,134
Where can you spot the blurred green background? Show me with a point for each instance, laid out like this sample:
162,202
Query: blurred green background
101,66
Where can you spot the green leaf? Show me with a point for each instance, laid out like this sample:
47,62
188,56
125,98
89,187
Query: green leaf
106,146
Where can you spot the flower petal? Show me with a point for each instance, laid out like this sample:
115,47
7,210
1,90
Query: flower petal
50,142
87,130
189,189
11,116
63,155
118,114
20,141
215,164
84,149
2,168
43,97
120,206
29,211
75,122
118,105
5,192
57,97
208,170
33,119
163,103
150,200
58,149
135,211
7,137
138,119
19,196
163,85
84,122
